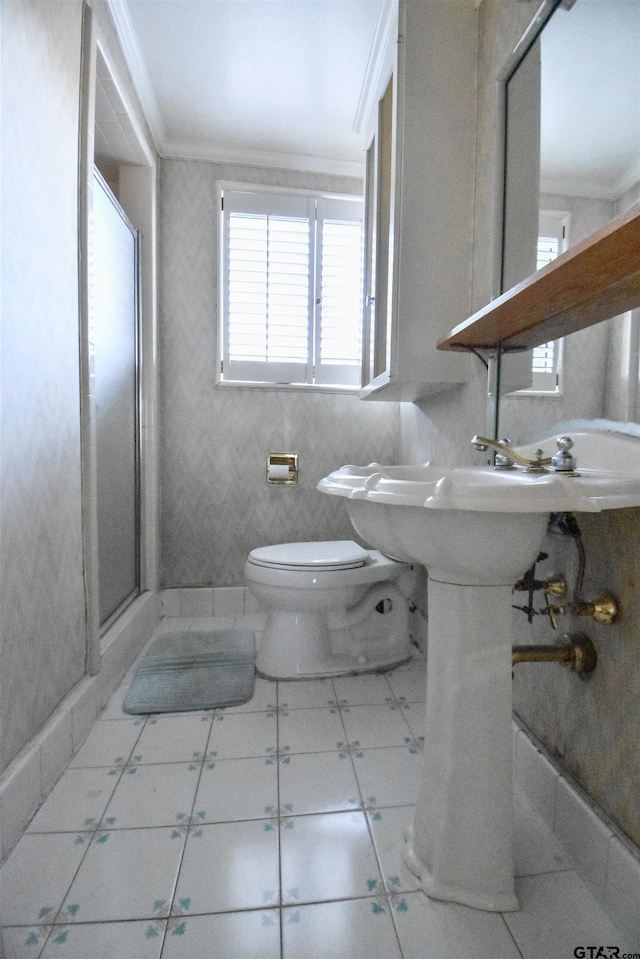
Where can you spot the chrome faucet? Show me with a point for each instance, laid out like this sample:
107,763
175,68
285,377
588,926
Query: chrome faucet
564,461
506,458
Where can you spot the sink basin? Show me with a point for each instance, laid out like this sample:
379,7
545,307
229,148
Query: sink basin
421,531
608,468
501,515
476,530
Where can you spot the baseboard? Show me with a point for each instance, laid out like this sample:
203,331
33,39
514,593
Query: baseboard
30,777
208,601
606,860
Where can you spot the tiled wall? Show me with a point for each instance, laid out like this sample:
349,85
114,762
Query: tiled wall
216,504
42,617
232,601
602,857
206,601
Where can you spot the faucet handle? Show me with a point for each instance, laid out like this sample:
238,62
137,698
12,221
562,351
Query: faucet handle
502,461
554,590
564,461
552,611
555,587
603,610
501,447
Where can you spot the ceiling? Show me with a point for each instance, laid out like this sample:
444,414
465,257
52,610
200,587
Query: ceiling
590,128
270,82
278,83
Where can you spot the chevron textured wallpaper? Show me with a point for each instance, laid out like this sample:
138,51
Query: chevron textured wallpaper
216,505
42,603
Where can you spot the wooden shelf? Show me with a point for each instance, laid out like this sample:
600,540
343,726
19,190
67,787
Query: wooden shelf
595,280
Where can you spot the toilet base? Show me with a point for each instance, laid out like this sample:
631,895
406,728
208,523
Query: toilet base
339,666
369,637
325,621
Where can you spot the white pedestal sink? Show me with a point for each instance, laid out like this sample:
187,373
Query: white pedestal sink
476,531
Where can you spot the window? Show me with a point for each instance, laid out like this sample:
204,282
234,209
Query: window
291,288
553,231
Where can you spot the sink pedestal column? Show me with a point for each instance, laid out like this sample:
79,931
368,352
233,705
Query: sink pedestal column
461,843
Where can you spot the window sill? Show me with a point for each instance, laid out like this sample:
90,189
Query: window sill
290,387
535,394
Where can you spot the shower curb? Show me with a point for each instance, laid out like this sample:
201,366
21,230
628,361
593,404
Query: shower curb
32,774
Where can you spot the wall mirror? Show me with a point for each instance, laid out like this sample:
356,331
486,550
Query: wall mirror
572,163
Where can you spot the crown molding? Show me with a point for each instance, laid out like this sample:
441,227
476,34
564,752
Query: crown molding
381,37
628,179
592,188
135,63
237,156
589,189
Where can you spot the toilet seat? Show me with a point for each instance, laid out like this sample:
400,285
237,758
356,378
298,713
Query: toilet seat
309,557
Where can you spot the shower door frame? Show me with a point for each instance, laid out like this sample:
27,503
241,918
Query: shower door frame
139,197
126,602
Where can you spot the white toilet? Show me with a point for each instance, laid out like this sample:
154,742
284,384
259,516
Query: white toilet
333,609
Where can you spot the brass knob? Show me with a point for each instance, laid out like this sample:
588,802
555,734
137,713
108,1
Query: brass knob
556,587
603,610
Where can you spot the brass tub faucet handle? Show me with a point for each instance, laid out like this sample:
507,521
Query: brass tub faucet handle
553,611
603,610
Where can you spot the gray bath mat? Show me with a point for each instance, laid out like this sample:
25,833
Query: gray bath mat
190,670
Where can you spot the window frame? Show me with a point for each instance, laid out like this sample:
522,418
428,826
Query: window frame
327,200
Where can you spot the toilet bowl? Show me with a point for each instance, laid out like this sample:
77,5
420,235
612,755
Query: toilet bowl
334,609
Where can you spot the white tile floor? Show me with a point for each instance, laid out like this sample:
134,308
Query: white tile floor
272,829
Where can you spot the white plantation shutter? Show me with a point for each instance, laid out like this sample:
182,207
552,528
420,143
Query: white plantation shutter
542,358
291,296
552,240
267,265
338,342
268,288
548,249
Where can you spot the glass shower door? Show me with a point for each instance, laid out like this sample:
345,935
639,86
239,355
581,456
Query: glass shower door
115,334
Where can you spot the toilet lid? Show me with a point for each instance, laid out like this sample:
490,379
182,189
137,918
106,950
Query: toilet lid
343,554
